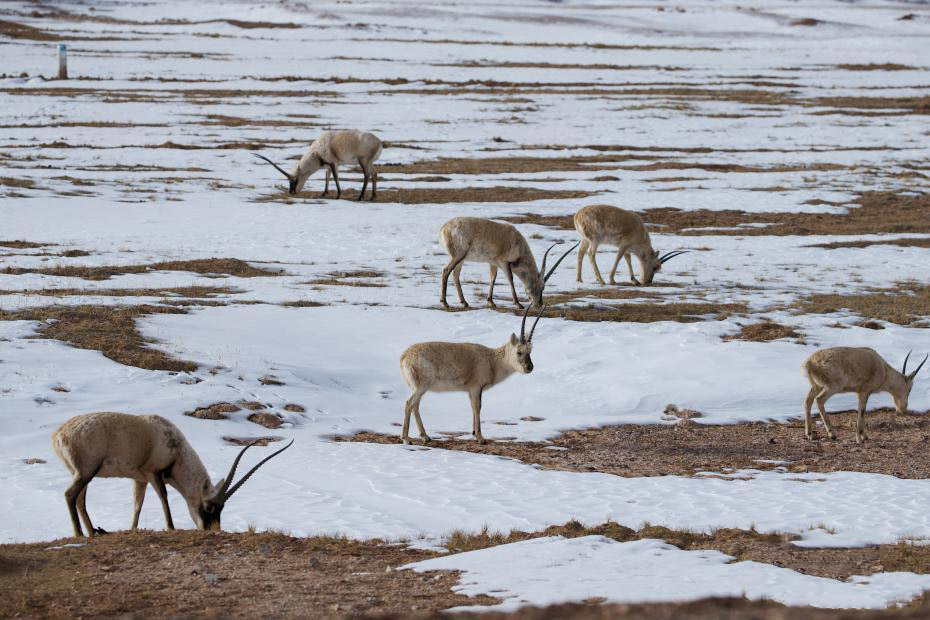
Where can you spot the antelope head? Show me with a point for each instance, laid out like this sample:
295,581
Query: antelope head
900,399
535,285
653,263
519,350
206,512
291,178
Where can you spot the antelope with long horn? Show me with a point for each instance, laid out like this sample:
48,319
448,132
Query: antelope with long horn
462,367
331,149
599,224
860,370
475,239
150,450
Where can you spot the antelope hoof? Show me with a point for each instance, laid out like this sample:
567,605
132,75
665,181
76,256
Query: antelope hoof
99,531
602,283
612,281
444,303
482,441
360,196
491,303
810,436
406,441
465,304
833,436
636,282
324,195
519,305
426,439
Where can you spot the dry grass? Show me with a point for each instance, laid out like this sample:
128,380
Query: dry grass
766,331
908,303
190,573
350,278
216,411
887,66
248,441
266,419
438,195
647,312
877,213
906,556
111,330
205,266
904,243
19,244
188,292
15,182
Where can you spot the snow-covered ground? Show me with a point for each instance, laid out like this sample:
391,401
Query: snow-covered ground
168,85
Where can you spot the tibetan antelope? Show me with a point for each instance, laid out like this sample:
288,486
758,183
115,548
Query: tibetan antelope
860,370
331,149
462,367
150,450
599,224
475,239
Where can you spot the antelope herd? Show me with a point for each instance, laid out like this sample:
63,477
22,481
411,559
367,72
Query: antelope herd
150,450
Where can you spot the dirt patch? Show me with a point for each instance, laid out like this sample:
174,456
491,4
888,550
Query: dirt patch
887,66
647,312
429,195
897,446
350,278
189,573
111,330
19,244
181,291
270,380
266,419
488,64
877,213
766,331
251,405
248,441
908,303
205,266
904,243
15,182
294,408
216,411
599,46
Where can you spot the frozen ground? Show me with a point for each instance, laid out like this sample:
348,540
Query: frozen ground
145,158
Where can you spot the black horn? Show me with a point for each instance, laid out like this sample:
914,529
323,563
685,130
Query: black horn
279,168
558,262
224,495
671,255
533,329
523,323
911,376
904,367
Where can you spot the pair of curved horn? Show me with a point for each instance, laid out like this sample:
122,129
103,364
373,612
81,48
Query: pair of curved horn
279,168
913,374
671,255
225,492
546,255
533,328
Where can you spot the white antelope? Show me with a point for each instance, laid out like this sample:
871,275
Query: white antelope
860,370
150,450
331,149
599,224
462,367
475,239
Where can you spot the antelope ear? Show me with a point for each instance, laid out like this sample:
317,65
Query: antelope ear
514,339
213,492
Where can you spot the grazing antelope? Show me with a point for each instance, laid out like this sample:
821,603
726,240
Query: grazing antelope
462,367
501,245
150,450
860,370
331,149
599,224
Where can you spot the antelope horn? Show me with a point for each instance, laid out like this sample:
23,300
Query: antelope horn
558,262
281,170
546,255
904,368
523,323
227,495
911,376
672,255
533,329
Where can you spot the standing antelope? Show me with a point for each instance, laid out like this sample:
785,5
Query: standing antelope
462,367
501,245
599,224
148,449
860,370
331,149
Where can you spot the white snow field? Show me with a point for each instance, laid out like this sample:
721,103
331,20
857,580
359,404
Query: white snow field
144,156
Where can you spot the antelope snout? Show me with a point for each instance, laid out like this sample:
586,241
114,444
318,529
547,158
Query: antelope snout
528,367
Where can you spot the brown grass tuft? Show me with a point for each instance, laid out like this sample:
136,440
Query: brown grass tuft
439,195
216,411
13,182
765,331
258,441
108,329
906,556
904,243
266,419
339,278
19,244
187,292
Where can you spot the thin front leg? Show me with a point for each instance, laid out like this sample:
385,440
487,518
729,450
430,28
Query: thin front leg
336,179
446,271
326,187
621,252
365,182
860,419
158,481
508,271
374,181
138,496
582,250
821,403
592,250
629,265
491,288
811,395
475,396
